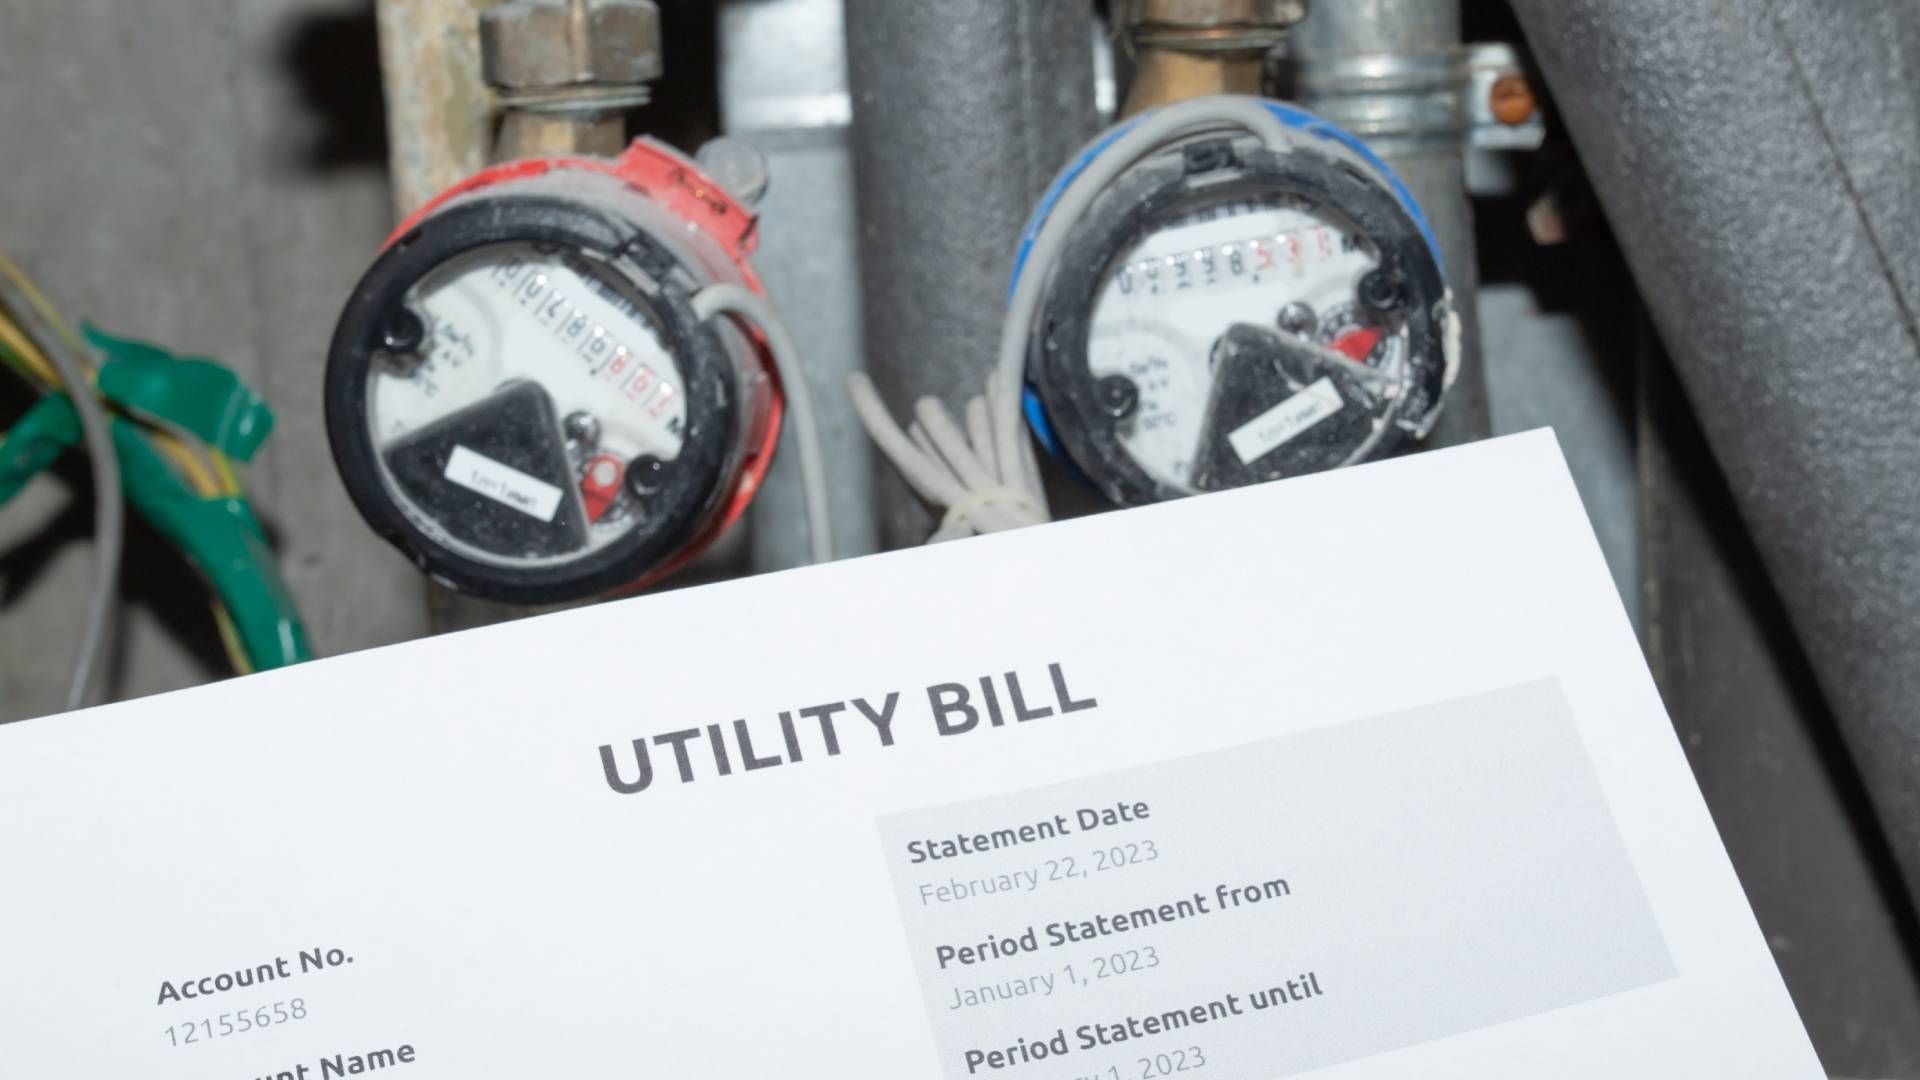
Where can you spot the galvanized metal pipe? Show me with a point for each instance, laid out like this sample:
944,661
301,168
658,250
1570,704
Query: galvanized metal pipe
1394,71
783,91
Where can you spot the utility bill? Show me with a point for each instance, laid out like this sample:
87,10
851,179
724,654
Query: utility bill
793,735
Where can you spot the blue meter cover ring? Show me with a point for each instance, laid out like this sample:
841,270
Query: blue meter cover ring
659,287
1211,169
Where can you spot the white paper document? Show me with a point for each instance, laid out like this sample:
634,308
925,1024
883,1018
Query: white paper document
1360,774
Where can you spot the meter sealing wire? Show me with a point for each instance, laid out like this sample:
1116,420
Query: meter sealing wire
754,310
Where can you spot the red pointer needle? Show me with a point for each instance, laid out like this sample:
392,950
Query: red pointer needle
1357,345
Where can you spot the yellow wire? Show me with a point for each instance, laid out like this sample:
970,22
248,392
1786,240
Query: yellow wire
19,367
209,481
21,345
213,477
41,304
191,470
204,479
228,477
230,637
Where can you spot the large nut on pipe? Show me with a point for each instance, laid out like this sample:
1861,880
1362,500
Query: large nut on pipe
542,44
1214,25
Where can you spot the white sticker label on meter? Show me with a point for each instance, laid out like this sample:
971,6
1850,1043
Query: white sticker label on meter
504,484
1272,429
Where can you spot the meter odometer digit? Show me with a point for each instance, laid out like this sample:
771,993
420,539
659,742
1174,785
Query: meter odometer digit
1227,313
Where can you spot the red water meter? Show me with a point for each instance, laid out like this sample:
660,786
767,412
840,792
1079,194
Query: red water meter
524,393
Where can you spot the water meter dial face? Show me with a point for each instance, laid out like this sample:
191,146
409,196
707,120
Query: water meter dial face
522,398
551,361
1276,261
1226,314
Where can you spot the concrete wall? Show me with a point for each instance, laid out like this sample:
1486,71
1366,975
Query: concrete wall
208,175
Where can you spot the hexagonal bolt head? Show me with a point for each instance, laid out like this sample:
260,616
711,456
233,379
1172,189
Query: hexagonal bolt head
1213,14
534,44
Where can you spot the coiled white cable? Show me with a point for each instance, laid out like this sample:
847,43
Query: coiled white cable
988,481
961,471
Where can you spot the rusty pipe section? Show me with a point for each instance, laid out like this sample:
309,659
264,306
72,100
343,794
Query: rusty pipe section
439,110
560,74
1190,48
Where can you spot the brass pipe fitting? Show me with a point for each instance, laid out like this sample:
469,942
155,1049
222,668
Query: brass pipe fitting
1188,48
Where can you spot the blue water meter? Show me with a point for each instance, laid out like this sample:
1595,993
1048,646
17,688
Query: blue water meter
1234,304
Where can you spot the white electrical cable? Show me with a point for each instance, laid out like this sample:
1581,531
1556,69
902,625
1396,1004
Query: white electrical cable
109,525
989,480
42,327
959,471
753,309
